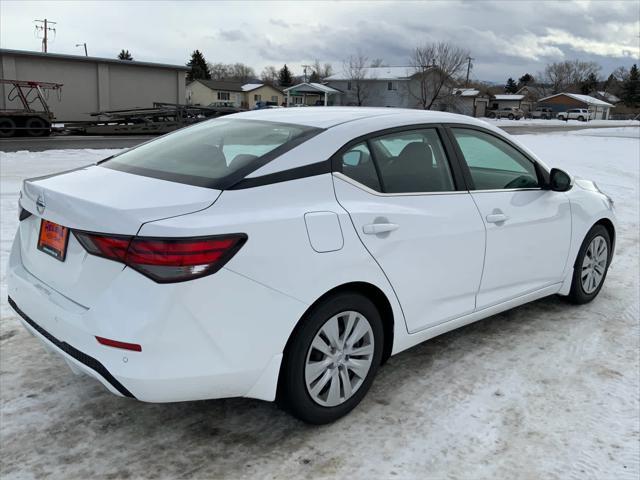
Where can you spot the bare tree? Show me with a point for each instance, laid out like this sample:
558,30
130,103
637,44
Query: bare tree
568,75
269,75
320,72
241,72
238,72
436,66
218,71
355,70
377,62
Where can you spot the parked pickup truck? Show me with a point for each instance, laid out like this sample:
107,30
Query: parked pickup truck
544,113
507,112
581,114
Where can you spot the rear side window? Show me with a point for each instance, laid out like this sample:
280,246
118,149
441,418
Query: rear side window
214,154
357,164
411,161
493,163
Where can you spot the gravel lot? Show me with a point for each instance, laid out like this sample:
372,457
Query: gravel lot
547,390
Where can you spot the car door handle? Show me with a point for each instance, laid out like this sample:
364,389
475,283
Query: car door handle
375,228
497,218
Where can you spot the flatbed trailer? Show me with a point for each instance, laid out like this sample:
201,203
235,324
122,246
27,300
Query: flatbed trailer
34,118
159,119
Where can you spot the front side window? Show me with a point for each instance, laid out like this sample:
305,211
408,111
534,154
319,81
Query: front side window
405,162
212,153
493,163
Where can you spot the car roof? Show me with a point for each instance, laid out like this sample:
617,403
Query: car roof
327,117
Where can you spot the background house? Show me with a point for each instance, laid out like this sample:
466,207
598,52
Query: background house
380,87
309,93
206,92
506,100
562,102
469,101
92,84
263,94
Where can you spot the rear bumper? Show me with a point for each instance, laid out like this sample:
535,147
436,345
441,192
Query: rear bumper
208,338
85,363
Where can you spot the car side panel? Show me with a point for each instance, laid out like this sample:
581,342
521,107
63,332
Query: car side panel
278,253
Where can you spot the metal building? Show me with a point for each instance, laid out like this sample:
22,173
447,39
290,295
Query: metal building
92,84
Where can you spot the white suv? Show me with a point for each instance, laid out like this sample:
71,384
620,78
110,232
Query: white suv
581,114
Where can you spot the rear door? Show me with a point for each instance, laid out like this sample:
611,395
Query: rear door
413,215
528,226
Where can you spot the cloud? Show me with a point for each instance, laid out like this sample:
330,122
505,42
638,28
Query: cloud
504,37
232,35
278,23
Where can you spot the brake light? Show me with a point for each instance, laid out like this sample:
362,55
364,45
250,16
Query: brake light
166,260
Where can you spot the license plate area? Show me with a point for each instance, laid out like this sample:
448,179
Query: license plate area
53,239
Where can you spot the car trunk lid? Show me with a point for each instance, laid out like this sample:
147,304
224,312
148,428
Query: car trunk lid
100,200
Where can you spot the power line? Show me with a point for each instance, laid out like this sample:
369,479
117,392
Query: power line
45,29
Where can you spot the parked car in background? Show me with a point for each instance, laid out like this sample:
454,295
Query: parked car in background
287,253
581,114
544,113
512,113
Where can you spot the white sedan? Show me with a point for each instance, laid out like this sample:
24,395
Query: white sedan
286,254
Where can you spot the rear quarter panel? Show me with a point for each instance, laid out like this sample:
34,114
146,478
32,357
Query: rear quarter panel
278,252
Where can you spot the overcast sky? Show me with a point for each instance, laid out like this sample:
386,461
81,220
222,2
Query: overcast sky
507,38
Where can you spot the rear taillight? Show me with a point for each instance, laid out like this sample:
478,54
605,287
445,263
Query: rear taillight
166,260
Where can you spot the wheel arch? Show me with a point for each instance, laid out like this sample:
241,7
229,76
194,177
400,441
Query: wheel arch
373,293
611,230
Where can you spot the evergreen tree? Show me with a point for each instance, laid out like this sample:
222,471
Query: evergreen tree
198,67
589,84
525,80
285,79
124,55
631,88
511,86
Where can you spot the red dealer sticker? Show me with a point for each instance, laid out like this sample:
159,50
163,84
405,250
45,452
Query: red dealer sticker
53,239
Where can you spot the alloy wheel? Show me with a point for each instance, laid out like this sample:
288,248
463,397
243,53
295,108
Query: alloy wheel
594,265
339,358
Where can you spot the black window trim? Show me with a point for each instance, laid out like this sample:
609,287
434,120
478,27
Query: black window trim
541,172
451,158
231,180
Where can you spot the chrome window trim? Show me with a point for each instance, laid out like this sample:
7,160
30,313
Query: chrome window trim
371,191
363,187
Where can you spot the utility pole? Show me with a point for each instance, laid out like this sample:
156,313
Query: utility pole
85,48
45,29
466,83
304,69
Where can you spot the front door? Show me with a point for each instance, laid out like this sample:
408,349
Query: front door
528,227
425,234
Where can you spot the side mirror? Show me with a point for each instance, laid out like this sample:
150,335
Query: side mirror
559,180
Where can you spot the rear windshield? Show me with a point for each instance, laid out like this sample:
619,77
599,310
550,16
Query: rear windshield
216,153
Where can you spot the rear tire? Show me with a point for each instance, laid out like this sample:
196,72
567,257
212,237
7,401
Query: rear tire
7,127
305,367
37,127
510,116
491,115
591,266
581,119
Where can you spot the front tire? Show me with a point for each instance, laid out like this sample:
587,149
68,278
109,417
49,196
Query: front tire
332,358
591,266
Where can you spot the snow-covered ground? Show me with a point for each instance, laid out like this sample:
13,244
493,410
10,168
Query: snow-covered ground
548,390
537,122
